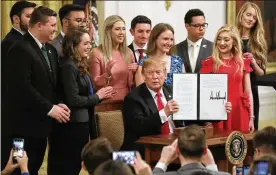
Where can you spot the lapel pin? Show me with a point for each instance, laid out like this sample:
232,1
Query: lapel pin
170,96
204,46
50,51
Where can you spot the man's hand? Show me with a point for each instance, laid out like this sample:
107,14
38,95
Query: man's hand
207,158
171,107
64,107
23,163
10,166
228,107
140,166
60,114
169,153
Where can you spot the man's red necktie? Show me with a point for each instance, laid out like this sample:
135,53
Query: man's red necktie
141,54
165,129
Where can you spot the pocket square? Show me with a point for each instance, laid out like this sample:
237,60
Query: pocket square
204,45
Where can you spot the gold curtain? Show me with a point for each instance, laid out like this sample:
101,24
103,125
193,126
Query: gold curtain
6,7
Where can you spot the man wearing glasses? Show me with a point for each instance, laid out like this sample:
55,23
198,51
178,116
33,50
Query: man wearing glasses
195,48
71,17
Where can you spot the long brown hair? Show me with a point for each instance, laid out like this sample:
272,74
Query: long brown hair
256,43
69,49
154,34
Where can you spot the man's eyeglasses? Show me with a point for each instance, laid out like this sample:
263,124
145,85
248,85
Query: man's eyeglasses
204,25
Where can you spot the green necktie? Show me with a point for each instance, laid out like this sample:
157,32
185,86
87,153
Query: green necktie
44,51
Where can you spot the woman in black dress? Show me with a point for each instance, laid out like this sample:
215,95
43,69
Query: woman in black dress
67,140
250,24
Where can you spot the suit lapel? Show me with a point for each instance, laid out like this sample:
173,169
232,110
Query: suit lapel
53,64
200,57
166,93
148,98
186,55
39,52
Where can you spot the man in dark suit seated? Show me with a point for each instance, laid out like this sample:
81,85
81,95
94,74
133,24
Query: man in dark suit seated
148,108
190,148
71,17
140,30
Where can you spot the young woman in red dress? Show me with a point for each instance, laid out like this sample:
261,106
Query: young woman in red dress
227,58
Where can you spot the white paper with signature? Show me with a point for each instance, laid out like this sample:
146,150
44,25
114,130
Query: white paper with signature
213,96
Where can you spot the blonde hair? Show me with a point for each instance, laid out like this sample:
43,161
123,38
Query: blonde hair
236,49
157,30
256,43
106,46
155,63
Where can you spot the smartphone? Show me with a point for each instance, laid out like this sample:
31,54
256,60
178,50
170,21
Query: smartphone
125,156
18,149
262,168
239,170
242,170
246,169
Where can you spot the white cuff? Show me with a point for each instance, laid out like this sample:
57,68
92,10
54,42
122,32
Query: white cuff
162,166
212,167
50,111
163,116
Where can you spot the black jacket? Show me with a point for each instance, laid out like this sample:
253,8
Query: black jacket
76,92
141,116
32,89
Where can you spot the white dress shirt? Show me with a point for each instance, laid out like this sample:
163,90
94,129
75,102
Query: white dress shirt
162,113
193,54
137,54
62,34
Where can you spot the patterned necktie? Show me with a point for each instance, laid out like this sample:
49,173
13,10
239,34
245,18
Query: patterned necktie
165,129
141,54
44,52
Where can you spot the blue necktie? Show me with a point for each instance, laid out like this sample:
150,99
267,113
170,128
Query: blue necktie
90,85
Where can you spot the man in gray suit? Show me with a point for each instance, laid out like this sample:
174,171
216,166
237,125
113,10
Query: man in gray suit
71,17
195,48
194,156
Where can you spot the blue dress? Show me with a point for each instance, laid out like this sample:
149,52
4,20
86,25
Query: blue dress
176,67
